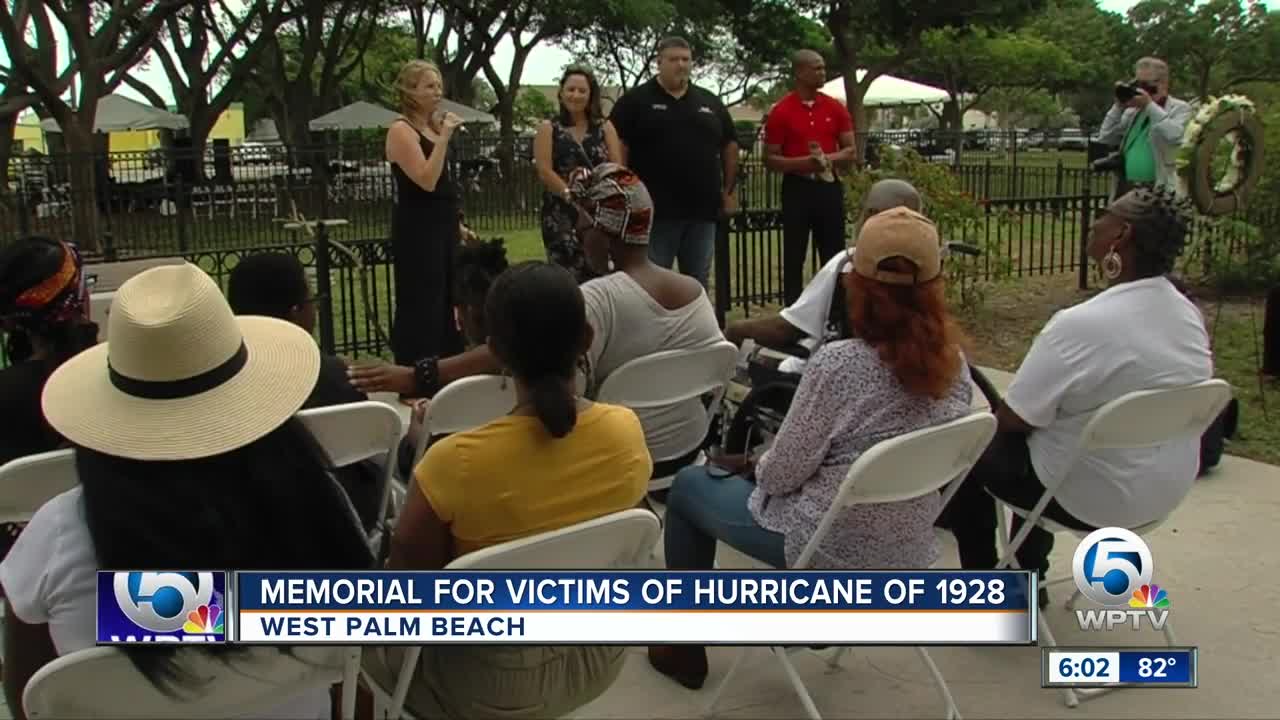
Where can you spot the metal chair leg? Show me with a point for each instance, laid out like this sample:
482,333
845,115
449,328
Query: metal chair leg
709,710
407,668
350,683
833,662
949,702
1068,695
801,691
1168,633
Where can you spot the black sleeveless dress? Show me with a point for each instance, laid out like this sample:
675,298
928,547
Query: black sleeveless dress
424,238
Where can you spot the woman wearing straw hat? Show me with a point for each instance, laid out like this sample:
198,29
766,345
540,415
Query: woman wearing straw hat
188,455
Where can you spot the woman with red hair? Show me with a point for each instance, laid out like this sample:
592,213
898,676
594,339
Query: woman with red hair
903,370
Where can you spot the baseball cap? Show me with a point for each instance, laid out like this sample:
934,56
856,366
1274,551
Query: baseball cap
898,232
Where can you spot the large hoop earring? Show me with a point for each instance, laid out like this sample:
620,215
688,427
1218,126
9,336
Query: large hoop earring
1112,265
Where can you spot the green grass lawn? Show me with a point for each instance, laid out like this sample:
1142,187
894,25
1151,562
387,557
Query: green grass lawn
1237,338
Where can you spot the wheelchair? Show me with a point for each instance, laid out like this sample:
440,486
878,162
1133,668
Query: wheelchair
760,393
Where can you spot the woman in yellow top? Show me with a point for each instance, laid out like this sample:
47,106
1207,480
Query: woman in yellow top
555,460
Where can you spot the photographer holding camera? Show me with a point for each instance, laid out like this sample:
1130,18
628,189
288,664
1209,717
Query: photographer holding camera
1147,124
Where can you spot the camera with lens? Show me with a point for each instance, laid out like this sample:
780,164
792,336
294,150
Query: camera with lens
1127,91
1112,162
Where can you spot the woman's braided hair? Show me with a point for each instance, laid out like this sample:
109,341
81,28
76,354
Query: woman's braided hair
1161,221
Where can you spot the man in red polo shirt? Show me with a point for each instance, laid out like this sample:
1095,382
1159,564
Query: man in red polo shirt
809,137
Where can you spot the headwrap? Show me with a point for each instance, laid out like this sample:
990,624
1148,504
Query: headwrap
616,200
1144,203
58,298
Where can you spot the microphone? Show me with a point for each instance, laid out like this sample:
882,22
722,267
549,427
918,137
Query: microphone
462,129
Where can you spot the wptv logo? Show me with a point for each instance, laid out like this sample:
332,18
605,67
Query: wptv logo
1113,568
165,606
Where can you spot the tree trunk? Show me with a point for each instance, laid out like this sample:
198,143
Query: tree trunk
81,153
1271,334
506,113
853,93
7,125
198,130
952,119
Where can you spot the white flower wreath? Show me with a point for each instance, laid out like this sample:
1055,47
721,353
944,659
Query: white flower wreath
1244,140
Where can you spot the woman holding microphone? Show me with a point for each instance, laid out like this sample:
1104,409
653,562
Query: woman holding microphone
424,222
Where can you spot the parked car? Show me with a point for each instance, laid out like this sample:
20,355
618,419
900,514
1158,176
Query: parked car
1073,139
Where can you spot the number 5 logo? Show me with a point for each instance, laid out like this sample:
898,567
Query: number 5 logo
1110,564
160,601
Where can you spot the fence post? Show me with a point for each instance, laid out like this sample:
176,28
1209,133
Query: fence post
182,204
24,220
323,280
722,270
1086,219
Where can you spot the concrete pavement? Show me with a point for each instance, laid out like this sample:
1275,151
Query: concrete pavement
1212,556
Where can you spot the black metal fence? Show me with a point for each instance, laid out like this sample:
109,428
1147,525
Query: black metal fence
164,202
1035,216
356,280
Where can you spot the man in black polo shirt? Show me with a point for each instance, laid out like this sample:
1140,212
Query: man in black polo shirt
680,140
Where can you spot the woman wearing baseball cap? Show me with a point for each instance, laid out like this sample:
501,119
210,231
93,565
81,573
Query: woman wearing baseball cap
188,457
903,370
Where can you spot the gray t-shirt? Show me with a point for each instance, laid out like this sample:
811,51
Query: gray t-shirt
630,324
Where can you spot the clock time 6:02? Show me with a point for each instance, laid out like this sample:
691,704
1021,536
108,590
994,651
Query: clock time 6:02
1084,667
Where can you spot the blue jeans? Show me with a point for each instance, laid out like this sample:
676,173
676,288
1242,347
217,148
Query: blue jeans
703,508
691,242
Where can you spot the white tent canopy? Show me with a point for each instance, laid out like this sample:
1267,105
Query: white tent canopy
356,116
360,115
889,91
117,113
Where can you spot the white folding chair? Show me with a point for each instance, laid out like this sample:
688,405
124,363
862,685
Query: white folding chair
1140,419
348,434
617,541
353,432
28,482
466,404
101,682
462,405
669,378
901,468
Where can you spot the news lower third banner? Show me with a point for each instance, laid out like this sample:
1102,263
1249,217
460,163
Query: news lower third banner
634,608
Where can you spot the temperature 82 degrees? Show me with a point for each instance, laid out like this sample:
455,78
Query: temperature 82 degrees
1169,667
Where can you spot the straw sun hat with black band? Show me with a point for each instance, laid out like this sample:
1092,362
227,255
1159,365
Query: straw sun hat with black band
179,376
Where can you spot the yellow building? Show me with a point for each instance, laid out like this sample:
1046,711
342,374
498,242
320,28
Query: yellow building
133,141
28,133
230,127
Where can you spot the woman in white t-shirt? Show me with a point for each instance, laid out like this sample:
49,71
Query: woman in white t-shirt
1140,333
188,457
640,308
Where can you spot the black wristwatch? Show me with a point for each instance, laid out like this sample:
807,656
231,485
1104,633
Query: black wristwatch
426,375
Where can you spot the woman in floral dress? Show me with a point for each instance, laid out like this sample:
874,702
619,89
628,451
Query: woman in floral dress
577,137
